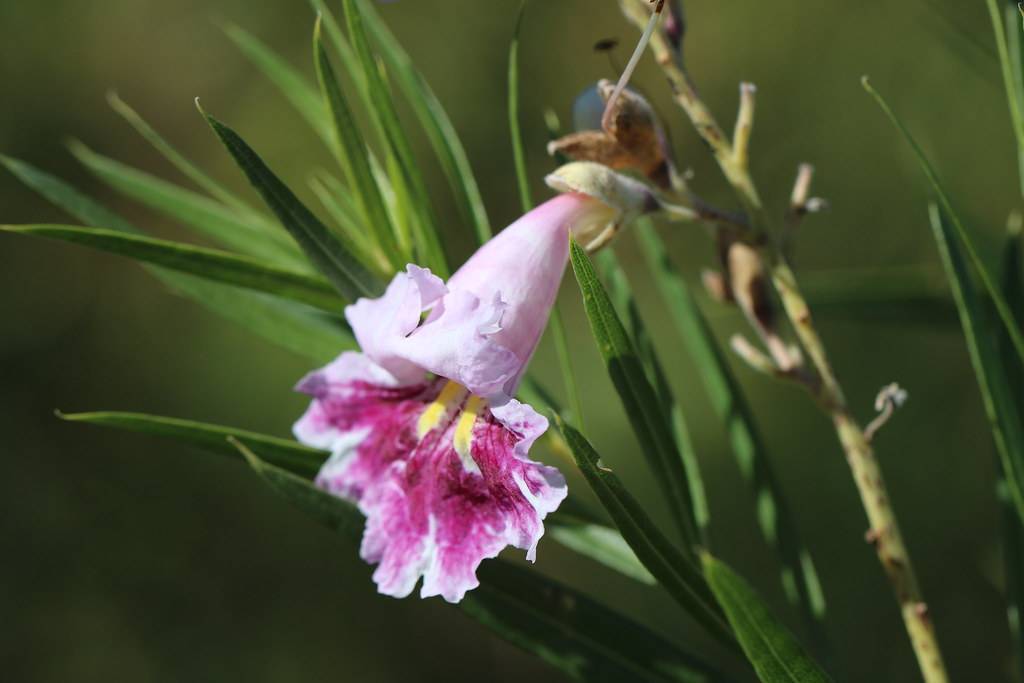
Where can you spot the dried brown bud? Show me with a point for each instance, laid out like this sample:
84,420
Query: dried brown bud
633,138
748,283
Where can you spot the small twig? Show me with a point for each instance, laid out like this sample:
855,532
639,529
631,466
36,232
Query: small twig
744,125
800,204
891,397
801,188
645,37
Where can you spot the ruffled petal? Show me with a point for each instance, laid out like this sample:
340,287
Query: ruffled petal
381,324
444,480
457,342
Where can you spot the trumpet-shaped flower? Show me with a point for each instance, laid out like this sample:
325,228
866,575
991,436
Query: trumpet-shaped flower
423,431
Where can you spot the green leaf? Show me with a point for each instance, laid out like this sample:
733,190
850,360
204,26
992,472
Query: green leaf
339,515
1013,566
602,544
573,633
178,160
292,327
1016,53
236,231
354,157
432,117
404,163
621,295
1009,62
59,193
518,155
289,455
302,331
638,398
211,264
348,276
1001,409
1005,315
799,578
1013,289
292,84
348,220
776,655
675,571
582,638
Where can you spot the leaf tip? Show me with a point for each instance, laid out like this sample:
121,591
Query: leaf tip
250,457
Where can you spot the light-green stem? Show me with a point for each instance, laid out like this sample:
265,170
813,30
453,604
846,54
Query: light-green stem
884,533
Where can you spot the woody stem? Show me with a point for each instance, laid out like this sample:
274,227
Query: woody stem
884,533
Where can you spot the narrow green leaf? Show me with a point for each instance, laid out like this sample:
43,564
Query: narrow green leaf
337,514
775,653
582,638
348,276
622,299
575,634
236,231
602,544
1013,289
434,120
638,397
59,193
1016,49
518,154
675,571
799,578
1012,532
292,327
1005,315
292,84
302,95
1011,82
178,160
348,220
211,264
354,158
428,241
303,331
289,455
992,374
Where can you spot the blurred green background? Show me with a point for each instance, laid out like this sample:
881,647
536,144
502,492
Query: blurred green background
126,558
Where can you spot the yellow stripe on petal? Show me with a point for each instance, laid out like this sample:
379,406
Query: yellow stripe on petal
451,396
464,432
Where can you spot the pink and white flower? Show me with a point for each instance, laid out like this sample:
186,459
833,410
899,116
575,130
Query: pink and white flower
423,431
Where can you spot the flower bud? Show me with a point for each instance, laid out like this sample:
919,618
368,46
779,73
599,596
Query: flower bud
626,198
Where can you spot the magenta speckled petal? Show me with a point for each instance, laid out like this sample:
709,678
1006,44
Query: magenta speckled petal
444,480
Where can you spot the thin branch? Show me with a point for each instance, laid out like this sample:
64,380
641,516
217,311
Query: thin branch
867,476
891,397
627,73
